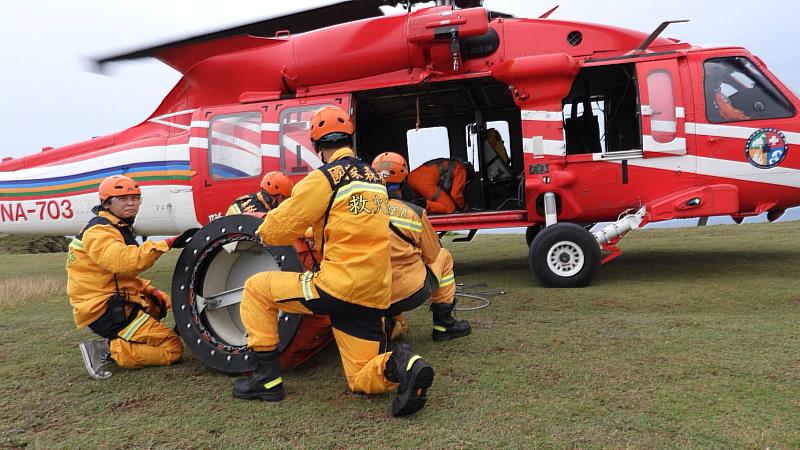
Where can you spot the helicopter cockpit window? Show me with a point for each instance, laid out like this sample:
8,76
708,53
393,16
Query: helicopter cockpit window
736,90
297,154
234,146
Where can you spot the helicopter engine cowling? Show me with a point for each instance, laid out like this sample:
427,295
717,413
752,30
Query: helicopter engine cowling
350,51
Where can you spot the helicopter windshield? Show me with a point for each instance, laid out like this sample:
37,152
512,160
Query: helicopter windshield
736,90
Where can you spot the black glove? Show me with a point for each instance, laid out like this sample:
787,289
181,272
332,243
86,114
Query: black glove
421,202
162,308
158,303
182,239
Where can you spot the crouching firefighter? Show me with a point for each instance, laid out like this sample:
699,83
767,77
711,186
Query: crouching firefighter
344,201
421,268
441,183
275,188
107,295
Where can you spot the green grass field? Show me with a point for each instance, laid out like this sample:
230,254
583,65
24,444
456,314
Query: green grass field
689,340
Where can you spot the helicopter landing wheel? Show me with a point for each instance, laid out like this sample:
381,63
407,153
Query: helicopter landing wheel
531,233
564,255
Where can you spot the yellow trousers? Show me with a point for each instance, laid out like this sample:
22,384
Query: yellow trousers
145,342
359,331
442,269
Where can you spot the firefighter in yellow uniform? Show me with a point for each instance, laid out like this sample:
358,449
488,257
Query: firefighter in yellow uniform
346,204
275,188
107,295
421,268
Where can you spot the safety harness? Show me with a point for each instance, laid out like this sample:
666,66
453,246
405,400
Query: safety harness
447,169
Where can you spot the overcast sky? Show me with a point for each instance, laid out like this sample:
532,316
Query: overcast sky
47,98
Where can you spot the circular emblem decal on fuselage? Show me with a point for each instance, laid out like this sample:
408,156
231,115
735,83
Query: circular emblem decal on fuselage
766,148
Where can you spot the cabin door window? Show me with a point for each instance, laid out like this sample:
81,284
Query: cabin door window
234,146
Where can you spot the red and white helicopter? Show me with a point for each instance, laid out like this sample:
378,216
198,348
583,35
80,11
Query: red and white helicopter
599,124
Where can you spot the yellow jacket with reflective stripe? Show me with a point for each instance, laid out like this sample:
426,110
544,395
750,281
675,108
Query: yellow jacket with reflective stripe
346,204
418,245
95,256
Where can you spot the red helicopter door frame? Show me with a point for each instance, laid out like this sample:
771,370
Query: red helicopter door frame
662,108
232,147
225,148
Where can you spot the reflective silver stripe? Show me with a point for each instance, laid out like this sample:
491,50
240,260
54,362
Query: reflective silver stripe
308,294
273,383
447,280
407,224
131,329
76,243
412,361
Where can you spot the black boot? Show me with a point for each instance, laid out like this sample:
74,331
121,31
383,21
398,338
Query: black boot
265,383
445,327
415,377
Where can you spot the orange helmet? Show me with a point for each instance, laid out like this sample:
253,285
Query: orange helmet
391,166
328,120
277,183
117,186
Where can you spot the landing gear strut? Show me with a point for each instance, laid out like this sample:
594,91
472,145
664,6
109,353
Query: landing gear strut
568,255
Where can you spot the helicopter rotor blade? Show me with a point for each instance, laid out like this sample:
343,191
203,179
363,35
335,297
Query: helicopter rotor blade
295,23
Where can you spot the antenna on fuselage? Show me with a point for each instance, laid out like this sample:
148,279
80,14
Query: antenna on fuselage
547,14
649,40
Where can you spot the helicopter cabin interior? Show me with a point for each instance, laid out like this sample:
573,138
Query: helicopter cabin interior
450,120
601,111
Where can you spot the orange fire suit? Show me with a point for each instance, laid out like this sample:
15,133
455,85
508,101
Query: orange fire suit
416,255
346,204
107,246
441,182
727,111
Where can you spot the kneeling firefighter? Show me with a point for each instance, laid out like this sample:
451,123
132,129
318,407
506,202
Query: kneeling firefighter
107,295
345,202
421,268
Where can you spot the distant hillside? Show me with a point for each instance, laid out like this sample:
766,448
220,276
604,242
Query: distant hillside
26,244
